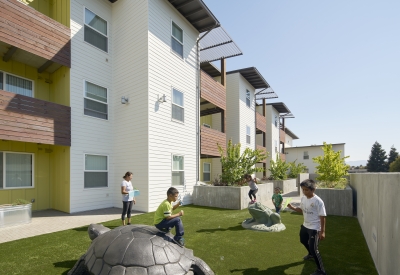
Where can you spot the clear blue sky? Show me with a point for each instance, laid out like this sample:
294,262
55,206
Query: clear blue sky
335,64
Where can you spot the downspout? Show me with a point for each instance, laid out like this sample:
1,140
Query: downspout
198,104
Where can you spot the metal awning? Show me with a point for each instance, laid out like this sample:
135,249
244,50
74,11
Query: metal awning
280,107
197,13
266,93
290,133
216,45
253,76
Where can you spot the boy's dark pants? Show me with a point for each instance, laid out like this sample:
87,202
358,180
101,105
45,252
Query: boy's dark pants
310,239
168,224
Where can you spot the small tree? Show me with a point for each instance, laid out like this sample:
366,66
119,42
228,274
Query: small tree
331,168
296,169
393,154
395,166
236,164
278,169
376,162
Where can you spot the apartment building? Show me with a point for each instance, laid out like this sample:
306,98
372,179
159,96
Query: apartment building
110,87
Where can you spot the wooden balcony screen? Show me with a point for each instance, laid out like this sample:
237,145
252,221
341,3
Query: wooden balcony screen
29,119
262,148
212,91
282,136
209,140
282,156
25,28
261,122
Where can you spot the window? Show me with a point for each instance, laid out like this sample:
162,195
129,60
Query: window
248,135
95,32
16,85
178,172
177,39
207,171
305,156
248,98
276,121
95,101
16,170
96,171
276,146
177,105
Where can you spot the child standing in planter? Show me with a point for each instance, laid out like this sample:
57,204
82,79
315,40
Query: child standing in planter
253,187
313,228
277,199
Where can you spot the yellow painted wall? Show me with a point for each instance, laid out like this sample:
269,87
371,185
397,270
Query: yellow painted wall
59,87
58,10
201,167
49,162
206,120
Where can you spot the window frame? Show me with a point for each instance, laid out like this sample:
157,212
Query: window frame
248,134
183,107
306,155
88,98
276,122
172,168
5,79
84,170
248,98
176,39
84,24
209,163
4,171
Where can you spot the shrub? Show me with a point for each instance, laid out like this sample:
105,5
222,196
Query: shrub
296,169
20,202
278,169
395,166
331,168
235,164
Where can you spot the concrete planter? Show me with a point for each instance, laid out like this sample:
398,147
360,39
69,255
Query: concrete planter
286,186
338,202
13,215
230,197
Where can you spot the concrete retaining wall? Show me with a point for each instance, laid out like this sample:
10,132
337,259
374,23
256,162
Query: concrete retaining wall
337,202
378,212
286,186
230,197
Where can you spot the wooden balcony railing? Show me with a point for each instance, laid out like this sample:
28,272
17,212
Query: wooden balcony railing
282,136
262,148
282,156
29,119
209,140
261,122
212,91
25,28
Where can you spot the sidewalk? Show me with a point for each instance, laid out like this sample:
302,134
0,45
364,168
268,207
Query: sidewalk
49,221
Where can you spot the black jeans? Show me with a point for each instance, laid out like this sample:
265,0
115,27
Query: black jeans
310,239
168,224
253,193
126,209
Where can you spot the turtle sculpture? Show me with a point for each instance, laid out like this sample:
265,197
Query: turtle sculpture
263,219
136,250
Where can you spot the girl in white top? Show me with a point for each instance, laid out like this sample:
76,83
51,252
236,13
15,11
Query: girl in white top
127,201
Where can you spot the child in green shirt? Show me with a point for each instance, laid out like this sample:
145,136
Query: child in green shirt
277,199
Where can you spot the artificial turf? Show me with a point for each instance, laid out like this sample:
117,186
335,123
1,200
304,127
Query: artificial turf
217,237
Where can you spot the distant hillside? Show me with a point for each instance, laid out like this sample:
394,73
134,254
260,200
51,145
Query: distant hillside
357,162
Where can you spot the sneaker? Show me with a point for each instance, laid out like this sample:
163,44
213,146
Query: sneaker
251,202
254,201
308,257
180,242
318,272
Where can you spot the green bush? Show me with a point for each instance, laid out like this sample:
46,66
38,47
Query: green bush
331,168
395,166
20,202
236,164
278,169
296,169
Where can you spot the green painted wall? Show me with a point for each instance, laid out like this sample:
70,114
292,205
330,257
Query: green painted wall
51,175
206,120
58,10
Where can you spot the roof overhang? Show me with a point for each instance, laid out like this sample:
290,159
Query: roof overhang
197,13
290,133
253,76
280,107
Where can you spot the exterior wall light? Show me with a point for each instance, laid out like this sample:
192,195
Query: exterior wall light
162,98
124,100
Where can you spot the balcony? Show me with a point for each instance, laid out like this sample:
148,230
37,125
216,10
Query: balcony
29,119
209,140
261,122
262,148
282,156
31,37
212,91
282,136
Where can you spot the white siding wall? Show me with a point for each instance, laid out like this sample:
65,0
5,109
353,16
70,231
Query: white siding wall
288,141
297,153
232,108
89,135
272,134
247,114
167,70
130,78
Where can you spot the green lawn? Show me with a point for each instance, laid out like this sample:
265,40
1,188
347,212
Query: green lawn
216,236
